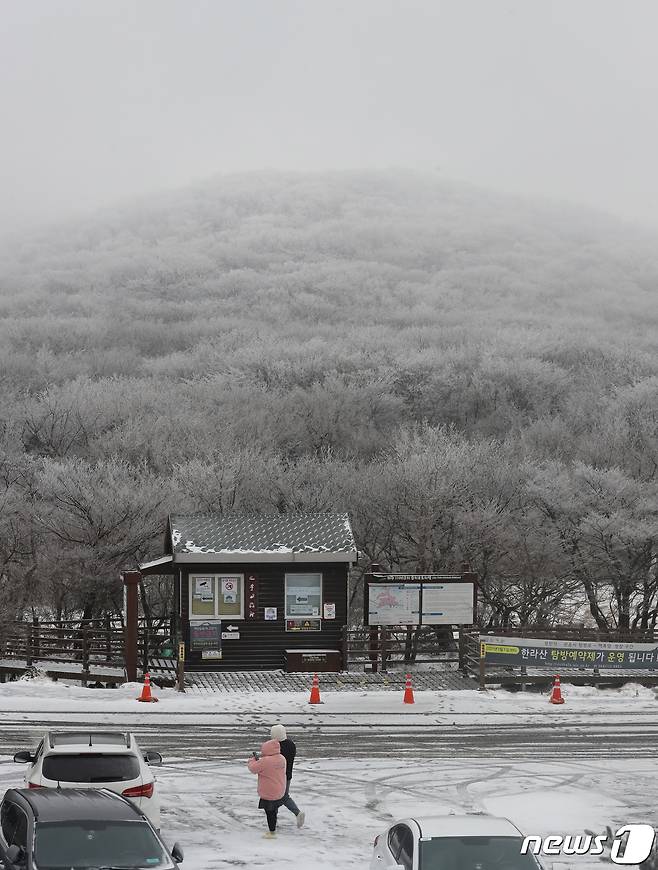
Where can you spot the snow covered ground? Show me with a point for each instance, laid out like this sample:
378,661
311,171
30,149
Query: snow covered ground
348,803
209,804
43,695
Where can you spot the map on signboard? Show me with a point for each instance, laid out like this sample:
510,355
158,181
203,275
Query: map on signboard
448,604
393,604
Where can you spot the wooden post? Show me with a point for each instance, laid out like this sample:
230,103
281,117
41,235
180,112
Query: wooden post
36,638
462,650
85,656
373,634
408,645
108,639
180,668
145,658
346,651
374,647
131,585
29,643
384,648
469,576
482,685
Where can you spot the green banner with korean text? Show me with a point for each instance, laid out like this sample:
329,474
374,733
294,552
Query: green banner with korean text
517,652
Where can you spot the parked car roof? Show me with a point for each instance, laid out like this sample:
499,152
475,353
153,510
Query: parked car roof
76,804
474,825
91,739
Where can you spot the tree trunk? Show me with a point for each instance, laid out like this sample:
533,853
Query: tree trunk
148,616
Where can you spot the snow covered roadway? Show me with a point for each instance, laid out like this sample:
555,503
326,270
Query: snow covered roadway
226,737
365,760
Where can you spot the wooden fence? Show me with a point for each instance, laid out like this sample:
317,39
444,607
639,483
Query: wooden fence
91,647
96,650
380,648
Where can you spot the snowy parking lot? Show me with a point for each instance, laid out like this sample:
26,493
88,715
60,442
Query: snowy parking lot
364,760
211,808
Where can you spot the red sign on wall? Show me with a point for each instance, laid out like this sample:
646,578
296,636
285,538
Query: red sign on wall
252,598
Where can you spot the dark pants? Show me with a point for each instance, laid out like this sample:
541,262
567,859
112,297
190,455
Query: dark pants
271,819
288,802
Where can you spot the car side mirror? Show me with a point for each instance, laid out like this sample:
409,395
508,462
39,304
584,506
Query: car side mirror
152,757
15,854
177,853
24,757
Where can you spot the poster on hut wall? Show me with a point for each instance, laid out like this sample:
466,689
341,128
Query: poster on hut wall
230,589
203,589
303,625
206,637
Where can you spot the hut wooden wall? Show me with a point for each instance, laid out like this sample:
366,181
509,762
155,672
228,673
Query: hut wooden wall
262,643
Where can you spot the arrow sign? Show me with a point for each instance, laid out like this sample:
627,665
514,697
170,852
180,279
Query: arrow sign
233,627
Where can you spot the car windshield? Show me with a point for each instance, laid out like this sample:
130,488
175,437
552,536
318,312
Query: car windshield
78,845
474,853
90,767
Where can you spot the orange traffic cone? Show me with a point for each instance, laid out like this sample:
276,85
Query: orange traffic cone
408,691
146,691
556,694
315,691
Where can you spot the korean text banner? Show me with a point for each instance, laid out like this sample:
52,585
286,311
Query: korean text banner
547,652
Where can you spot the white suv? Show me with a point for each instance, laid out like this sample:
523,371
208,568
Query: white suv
84,759
472,840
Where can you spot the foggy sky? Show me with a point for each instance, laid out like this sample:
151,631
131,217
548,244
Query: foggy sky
103,99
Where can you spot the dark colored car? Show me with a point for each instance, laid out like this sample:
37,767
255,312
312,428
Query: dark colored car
72,829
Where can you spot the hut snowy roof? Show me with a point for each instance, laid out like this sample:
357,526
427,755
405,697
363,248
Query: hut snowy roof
294,537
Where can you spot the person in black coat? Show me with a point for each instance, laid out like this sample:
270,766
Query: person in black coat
288,750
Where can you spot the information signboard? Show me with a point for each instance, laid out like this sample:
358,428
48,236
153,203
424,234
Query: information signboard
425,603
549,653
205,635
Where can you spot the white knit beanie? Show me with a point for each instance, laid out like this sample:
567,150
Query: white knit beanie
278,732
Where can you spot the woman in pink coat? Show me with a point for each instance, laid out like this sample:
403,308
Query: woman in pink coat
271,770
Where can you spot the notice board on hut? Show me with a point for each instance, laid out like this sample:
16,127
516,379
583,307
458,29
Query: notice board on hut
206,637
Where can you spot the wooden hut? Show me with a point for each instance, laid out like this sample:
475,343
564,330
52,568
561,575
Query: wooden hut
259,592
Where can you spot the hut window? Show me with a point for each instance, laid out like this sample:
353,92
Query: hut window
303,595
229,595
217,596
202,596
